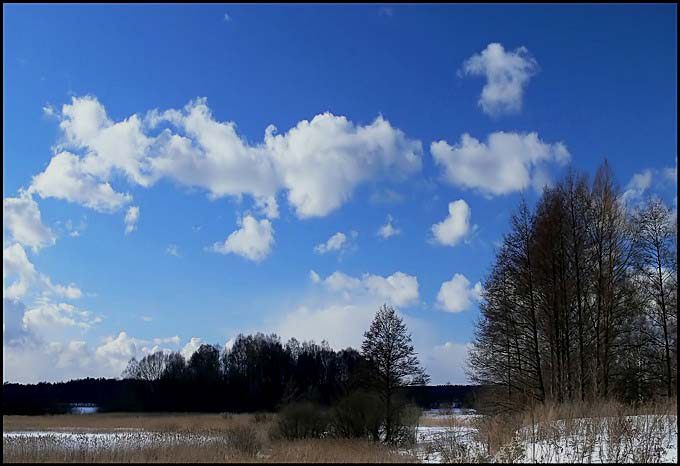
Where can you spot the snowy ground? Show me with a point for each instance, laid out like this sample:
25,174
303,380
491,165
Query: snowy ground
120,438
624,440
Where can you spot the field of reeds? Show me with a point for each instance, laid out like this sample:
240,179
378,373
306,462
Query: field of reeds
568,433
128,437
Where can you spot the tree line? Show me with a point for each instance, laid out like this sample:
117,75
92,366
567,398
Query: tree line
581,299
258,372
316,389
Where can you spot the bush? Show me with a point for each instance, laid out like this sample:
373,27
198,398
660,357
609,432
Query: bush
405,420
302,420
357,415
244,439
261,418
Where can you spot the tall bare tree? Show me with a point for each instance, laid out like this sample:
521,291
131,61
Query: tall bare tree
657,278
387,346
581,301
150,368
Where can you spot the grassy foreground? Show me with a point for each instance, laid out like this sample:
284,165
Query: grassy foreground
178,438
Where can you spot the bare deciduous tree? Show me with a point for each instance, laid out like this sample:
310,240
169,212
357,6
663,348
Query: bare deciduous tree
387,346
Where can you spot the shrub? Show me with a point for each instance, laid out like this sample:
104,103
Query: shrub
405,420
357,415
244,439
261,418
301,420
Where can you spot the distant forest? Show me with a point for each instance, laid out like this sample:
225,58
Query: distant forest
581,300
258,373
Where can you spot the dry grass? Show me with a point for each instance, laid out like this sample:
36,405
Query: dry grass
179,438
105,422
336,451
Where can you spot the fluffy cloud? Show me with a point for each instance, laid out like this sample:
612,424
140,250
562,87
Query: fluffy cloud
318,162
456,226
388,229
113,355
191,347
117,351
398,289
21,217
172,340
109,147
457,295
334,243
131,217
341,325
210,154
338,281
66,178
321,161
53,319
15,264
636,187
24,277
39,344
445,363
507,162
507,74
254,240
70,291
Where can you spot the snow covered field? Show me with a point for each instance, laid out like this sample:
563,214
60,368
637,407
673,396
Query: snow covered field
120,438
630,439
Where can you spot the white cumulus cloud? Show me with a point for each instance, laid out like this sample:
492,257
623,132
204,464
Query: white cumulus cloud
254,240
48,318
505,163
318,162
456,295
21,217
191,347
15,264
507,74
455,226
334,243
321,161
399,289
24,278
66,178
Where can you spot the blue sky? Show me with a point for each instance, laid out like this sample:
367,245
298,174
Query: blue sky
159,114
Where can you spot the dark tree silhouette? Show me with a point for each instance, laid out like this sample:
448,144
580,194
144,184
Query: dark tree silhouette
581,302
151,367
388,349
204,364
